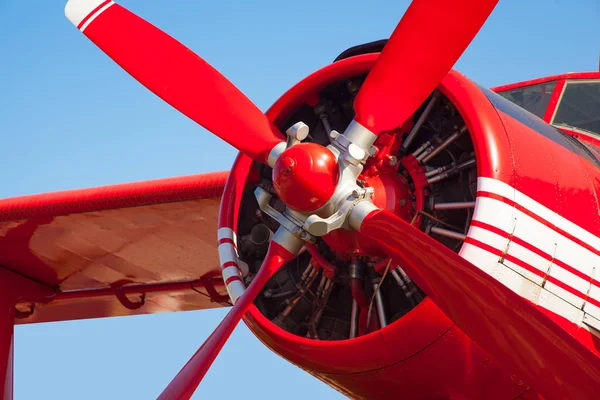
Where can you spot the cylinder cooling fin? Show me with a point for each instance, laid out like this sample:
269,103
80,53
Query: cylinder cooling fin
340,287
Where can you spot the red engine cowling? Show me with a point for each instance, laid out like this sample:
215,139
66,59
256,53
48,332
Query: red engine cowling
450,182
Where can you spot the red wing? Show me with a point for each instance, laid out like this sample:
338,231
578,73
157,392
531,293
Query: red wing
153,232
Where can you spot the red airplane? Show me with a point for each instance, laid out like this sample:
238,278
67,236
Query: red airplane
389,226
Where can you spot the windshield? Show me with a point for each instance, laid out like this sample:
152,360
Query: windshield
534,98
579,106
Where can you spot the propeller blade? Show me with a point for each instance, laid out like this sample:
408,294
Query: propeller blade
511,329
192,373
176,74
427,42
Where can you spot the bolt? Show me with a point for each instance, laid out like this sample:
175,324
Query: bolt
356,152
298,131
402,203
287,164
393,160
333,134
356,193
373,151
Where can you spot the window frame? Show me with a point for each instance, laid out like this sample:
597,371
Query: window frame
555,99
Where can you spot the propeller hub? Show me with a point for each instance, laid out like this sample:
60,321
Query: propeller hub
305,176
392,193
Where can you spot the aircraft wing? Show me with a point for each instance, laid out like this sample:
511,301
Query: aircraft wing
103,249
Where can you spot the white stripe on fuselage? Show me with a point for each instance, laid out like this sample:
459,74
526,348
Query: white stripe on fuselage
555,245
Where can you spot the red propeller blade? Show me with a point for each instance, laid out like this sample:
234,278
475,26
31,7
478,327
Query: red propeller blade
427,42
175,74
190,376
508,327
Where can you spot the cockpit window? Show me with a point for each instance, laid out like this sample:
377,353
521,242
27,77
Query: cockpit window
579,107
534,98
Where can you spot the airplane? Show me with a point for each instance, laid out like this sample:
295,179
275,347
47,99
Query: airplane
477,254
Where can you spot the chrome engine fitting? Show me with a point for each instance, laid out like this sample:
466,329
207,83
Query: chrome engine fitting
339,287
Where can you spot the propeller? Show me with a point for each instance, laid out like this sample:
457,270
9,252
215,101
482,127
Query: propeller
427,42
496,318
176,74
190,376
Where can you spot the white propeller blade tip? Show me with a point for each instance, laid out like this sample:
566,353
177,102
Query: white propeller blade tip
82,12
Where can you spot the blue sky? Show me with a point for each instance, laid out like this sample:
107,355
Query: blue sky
70,118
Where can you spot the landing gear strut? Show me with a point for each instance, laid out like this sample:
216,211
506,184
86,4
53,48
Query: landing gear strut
14,288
